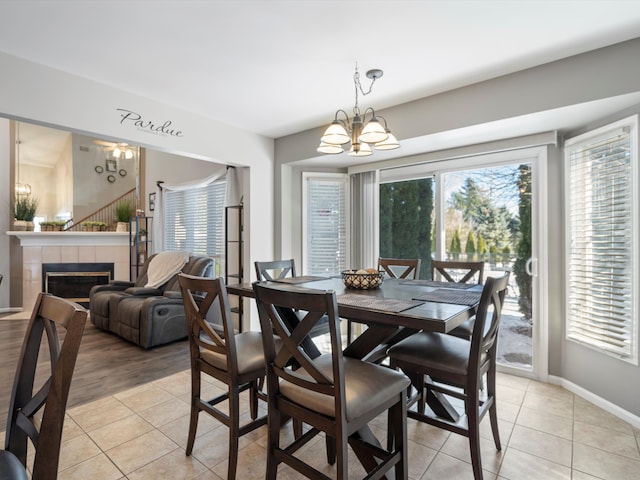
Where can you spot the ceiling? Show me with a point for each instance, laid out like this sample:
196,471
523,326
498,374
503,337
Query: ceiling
281,67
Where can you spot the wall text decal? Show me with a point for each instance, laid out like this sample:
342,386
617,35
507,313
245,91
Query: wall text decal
148,126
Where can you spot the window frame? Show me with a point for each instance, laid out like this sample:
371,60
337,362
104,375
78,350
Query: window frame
324,176
572,322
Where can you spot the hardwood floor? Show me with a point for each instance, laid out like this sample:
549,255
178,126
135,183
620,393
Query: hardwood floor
106,363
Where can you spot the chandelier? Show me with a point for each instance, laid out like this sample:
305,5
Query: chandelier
361,133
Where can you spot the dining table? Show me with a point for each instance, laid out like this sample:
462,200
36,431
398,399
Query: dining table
393,311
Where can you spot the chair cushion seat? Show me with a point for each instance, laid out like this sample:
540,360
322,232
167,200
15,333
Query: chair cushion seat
431,351
10,467
367,386
464,330
250,354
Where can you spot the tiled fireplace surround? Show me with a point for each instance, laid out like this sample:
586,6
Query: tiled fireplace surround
68,247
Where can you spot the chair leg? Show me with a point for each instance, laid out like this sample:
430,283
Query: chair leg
195,410
473,424
493,409
331,449
253,399
274,422
397,423
234,430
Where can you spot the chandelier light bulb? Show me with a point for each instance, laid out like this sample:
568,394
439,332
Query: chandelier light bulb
128,154
390,143
335,134
328,148
360,150
117,152
373,132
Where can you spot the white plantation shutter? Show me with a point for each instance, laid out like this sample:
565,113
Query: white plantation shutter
325,223
194,219
602,213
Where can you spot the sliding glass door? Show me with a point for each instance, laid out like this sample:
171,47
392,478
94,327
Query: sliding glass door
474,209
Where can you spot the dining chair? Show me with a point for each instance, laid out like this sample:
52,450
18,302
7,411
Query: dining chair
400,267
454,367
276,270
459,272
234,359
39,417
332,393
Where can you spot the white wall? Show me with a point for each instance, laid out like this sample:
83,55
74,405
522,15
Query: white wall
39,94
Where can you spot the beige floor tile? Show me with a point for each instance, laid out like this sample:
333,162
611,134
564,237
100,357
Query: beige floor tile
165,412
427,435
605,465
607,440
178,430
588,413
120,431
140,451
577,475
77,450
107,411
144,398
98,467
458,447
446,467
419,457
506,380
518,465
508,394
549,390
543,445
213,447
177,384
557,406
507,411
252,462
70,429
546,422
175,465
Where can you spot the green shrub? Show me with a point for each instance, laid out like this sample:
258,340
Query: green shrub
124,211
25,207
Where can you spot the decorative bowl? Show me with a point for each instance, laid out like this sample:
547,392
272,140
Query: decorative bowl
362,281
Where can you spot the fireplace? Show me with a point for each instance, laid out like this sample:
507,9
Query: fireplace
73,281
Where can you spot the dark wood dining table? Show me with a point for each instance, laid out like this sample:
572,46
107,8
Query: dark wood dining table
393,311
390,308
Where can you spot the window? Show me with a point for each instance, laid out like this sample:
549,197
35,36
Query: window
194,219
325,223
602,239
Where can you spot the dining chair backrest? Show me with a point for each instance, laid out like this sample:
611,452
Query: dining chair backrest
400,267
275,270
458,272
487,319
206,297
39,417
317,305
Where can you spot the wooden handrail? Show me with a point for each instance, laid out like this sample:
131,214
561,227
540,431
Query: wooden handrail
104,214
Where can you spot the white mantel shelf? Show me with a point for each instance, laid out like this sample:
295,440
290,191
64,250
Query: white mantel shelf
50,239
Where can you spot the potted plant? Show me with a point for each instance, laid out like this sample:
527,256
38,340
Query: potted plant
123,215
142,234
25,210
58,225
46,226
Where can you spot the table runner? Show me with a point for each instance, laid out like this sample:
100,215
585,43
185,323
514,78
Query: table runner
433,283
450,296
300,279
383,304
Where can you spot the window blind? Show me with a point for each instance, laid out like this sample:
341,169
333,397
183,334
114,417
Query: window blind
326,222
601,242
194,219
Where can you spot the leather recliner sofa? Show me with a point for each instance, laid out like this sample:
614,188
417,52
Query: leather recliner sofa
145,316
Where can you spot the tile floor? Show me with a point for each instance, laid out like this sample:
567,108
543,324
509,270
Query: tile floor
546,431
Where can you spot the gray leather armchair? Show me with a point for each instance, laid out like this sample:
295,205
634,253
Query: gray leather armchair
145,316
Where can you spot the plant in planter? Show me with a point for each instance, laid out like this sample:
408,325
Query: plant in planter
46,226
25,210
142,235
57,225
124,212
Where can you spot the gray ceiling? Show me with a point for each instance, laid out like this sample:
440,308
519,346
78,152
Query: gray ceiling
280,67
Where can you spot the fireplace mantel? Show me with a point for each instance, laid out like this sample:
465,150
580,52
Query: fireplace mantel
37,248
49,239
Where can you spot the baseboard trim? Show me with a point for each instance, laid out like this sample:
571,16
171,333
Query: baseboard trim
605,405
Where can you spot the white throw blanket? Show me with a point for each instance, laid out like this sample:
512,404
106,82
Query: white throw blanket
164,266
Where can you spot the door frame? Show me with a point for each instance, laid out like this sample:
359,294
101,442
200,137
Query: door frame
538,158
